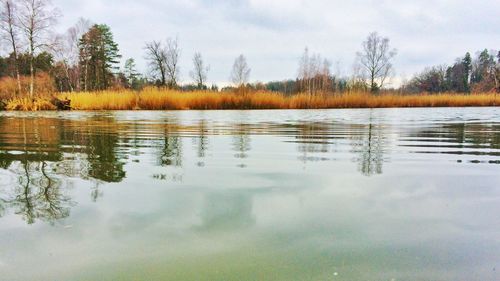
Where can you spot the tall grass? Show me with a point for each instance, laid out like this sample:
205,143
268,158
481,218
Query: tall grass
110,100
163,99
27,104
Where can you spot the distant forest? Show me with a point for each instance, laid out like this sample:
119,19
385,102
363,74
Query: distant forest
87,58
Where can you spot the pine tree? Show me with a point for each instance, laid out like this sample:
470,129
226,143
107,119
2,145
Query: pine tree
98,58
467,67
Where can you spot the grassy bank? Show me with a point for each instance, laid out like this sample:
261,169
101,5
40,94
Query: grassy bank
157,99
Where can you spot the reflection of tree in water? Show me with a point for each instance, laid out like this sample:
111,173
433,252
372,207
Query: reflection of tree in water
227,210
39,194
5,161
43,153
313,138
104,164
171,151
241,142
458,139
96,192
50,138
3,204
201,142
368,144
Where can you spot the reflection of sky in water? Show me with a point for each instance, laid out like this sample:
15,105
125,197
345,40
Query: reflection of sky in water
409,194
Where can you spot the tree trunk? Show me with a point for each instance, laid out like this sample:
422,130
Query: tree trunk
66,72
32,60
16,65
372,81
495,77
32,76
85,77
14,47
18,77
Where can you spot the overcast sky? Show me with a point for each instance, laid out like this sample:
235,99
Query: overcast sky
272,34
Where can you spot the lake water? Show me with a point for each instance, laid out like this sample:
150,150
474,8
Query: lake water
383,194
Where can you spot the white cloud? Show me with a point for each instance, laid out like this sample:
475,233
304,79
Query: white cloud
272,34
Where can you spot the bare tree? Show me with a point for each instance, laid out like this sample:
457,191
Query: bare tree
36,19
73,36
358,78
173,53
67,52
241,72
375,59
314,73
304,73
156,55
9,33
200,71
325,75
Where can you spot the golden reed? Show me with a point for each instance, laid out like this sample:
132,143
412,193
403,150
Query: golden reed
163,99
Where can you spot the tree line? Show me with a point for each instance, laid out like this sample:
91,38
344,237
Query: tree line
87,58
481,74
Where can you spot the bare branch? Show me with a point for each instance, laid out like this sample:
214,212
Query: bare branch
241,72
200,71
156,55
376,59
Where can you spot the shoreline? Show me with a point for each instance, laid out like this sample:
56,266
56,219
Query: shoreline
160,99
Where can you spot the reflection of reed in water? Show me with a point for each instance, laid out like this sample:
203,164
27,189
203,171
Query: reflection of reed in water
44,153
38,193
91,146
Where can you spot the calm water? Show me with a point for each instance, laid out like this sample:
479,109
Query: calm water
386,194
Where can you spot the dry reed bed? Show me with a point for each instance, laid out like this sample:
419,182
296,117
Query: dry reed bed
158,99
27,104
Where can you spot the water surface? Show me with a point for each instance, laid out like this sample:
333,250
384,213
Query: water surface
383,194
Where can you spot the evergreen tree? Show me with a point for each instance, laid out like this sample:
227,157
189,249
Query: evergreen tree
457,76
3,67
98,58
467,67
43,62
483,72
